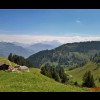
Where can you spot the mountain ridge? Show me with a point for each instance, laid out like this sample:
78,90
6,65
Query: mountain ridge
6,48
70,54
25,50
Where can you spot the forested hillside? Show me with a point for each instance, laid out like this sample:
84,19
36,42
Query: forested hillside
67,55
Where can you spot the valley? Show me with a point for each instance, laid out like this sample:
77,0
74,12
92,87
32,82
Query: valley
34,81
49,50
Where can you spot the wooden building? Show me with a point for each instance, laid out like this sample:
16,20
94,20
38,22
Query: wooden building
4,66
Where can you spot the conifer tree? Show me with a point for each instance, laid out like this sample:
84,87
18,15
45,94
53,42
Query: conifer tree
88,80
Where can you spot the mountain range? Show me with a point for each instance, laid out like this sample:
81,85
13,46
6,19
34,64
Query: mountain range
7,48
25,50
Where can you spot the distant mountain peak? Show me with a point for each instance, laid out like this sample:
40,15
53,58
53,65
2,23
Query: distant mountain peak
6,48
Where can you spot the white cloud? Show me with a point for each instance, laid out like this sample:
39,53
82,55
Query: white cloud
78,21
28,39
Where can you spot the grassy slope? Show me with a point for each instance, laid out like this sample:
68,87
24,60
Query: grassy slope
78,73
6,61
33,82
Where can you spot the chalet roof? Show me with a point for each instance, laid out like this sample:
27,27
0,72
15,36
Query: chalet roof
23,67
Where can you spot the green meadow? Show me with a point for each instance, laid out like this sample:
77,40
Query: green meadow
33,81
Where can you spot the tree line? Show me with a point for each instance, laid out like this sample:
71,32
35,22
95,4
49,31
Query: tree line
19,60
57,73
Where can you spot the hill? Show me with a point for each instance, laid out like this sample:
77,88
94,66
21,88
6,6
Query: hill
33,82
6,61
67,55
7,48
78,73
93,65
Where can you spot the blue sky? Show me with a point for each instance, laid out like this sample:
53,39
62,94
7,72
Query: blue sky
50,22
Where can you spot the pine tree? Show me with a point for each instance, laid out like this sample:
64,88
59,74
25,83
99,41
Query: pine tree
19,60
61,72
43,71
88,80
57,78
10,57
55,75
62,75
64,78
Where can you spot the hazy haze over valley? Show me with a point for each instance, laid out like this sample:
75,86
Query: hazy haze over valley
27,32
38,25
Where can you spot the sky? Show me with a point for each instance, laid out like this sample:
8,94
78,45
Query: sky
36,25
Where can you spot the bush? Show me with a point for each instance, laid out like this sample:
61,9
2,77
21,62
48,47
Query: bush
75,83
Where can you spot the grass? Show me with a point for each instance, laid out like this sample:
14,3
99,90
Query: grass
6,61
78,73
33,81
